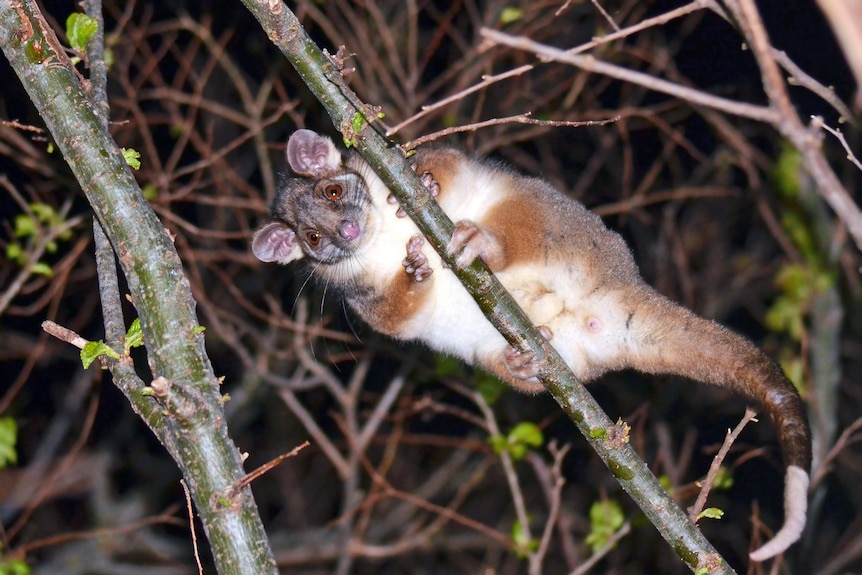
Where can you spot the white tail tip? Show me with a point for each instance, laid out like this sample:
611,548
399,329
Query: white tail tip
795,508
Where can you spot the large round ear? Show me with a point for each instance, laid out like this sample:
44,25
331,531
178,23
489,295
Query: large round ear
310,154
275,242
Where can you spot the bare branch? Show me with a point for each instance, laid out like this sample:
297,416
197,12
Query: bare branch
715,467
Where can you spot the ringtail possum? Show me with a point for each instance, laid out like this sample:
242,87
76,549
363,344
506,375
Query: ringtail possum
574,278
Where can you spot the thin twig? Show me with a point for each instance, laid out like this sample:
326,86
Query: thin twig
700,502
164,518
246,479
519,119
845,439
605,15
450,515
192,529
64,334
591,64
606,548
23,127
556,497
321,440
486,81
372,424
799,77
563,8
755,33
817,122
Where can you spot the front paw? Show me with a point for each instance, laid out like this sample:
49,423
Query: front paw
470,241
427,180
416,264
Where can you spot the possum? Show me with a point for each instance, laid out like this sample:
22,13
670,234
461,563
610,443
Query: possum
573,277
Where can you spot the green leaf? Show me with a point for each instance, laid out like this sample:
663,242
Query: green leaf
357,122
799,284
79,29
95,349
134,336
523,545
13,567
664,481
42,269
510,15
8,440
150,192
794,280
723,479
524,436
527,433
517,451
786,172
794,368
25,226
801,234
519,441
711,513
15,252
606,518
498,443
44,213
199,329
132,157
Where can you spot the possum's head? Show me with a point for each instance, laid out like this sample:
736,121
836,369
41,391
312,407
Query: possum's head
322,211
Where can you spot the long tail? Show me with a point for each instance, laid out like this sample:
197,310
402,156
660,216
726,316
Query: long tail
671,339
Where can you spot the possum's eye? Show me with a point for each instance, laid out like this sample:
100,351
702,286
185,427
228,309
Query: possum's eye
332,192
313,237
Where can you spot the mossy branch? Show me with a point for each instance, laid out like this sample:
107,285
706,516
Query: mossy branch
321,72
186,415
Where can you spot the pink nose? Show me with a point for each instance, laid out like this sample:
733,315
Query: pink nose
349,230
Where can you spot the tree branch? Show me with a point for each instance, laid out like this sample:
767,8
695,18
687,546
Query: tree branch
190,419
